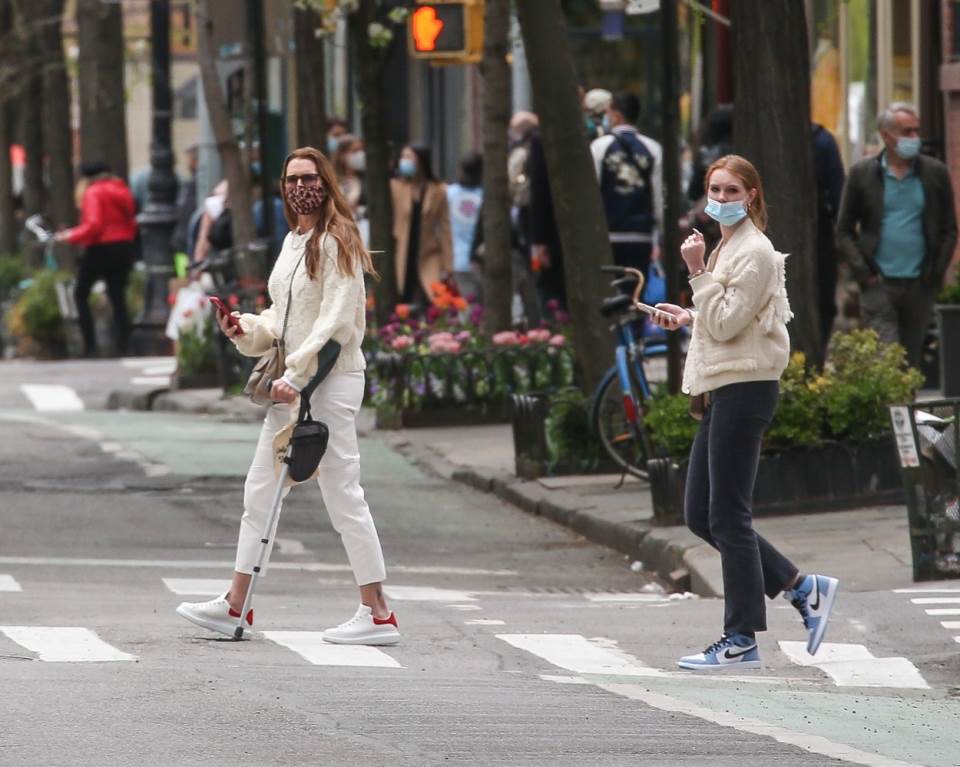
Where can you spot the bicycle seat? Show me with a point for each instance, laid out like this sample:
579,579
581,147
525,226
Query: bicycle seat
615,305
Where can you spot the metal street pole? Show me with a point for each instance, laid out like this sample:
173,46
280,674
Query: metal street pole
670,135
159,216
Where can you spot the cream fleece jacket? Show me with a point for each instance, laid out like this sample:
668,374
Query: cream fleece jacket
331,306
740,317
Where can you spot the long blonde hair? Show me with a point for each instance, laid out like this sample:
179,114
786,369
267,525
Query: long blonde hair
747,173
335,219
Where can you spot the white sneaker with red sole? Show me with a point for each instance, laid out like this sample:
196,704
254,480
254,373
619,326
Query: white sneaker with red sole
215,615
364,628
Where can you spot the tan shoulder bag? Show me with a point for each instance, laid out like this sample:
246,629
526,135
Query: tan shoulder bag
272,365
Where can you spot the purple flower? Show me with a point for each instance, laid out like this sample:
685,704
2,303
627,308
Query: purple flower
553,306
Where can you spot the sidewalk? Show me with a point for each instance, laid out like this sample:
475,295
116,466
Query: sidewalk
869,549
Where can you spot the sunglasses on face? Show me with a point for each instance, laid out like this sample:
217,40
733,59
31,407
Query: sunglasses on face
308,179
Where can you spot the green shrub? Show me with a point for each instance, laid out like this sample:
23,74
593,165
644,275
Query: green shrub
669,423
570,439
849,401
862,379
135,292
36,314
197,348
799,418
951,293
12,272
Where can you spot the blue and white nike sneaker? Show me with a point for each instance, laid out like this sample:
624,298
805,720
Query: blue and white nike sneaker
731,653
813,597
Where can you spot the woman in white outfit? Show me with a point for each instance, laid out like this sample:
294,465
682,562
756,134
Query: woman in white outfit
320,269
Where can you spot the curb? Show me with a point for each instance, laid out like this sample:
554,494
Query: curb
166,400
665,551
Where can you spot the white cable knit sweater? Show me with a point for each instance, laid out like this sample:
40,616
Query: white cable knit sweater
331,306
741,315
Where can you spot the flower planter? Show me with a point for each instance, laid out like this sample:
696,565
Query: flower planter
948,324
460,389
531,445
831,477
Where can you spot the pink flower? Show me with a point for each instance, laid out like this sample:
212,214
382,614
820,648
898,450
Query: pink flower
539,335
506,338
401,342
558,340
440,337
464,336
552,305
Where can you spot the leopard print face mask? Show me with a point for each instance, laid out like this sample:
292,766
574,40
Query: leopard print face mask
305,199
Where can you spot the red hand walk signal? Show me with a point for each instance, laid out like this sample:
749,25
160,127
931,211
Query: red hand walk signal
425,28
447,31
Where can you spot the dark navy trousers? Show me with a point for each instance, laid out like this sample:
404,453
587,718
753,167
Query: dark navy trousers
718,505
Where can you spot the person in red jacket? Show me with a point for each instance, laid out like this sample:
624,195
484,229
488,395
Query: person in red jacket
107,230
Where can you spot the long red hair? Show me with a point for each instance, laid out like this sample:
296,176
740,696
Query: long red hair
336,218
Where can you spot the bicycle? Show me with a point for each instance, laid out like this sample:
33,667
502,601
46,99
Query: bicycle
619,400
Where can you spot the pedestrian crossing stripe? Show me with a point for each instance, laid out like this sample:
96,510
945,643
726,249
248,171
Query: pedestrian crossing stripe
853,665
9,583
576,653
65,644
936,601
426,594
311,646
52,398
212,587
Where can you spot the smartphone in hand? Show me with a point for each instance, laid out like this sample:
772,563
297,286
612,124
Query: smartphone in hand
223,311
651,310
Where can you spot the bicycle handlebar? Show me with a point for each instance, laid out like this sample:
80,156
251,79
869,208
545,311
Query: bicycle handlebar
626,270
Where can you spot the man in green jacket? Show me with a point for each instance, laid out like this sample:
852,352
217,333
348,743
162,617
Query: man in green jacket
897,229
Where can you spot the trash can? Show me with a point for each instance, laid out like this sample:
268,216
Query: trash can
927,436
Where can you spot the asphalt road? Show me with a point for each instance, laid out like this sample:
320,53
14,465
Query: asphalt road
523,644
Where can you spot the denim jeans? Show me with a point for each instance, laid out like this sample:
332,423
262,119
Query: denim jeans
719,499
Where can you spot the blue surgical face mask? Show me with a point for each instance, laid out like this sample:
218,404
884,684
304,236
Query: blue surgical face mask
606,124
726,213
407,167
332,143
908,148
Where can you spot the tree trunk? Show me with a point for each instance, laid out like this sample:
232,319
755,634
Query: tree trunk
772,77
497,258
100,71
573,181
370,67
238,178
30,106
311,79
8,235
57,132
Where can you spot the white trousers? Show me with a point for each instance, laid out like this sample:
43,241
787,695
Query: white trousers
335,402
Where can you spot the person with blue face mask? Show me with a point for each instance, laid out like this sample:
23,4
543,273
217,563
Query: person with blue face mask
337,128
423,244
738,350
898,230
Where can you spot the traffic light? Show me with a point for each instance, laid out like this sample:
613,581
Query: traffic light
447,31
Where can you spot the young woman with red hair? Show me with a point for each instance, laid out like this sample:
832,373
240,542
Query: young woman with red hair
738,350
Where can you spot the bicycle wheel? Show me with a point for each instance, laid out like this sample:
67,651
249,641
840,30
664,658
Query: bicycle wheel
621,432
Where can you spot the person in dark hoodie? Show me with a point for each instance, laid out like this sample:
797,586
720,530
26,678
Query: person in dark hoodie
107,230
